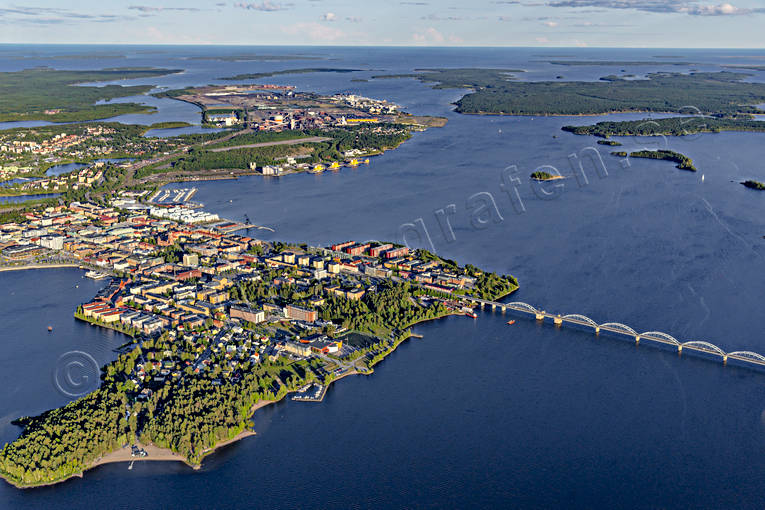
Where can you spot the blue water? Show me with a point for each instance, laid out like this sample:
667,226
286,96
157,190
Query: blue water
479,413
71,167
26,198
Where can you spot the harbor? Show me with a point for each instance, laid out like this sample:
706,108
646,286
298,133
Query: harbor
175,197
313,392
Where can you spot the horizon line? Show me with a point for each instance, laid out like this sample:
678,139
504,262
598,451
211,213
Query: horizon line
576,47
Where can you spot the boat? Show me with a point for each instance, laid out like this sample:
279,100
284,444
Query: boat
511,322
472,314
50,328
95,275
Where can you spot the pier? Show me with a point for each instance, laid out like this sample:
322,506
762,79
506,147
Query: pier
651,338
173,196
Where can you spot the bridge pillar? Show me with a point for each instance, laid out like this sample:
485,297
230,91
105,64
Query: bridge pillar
504,309
679,349
540,316
637,339
558,320
493,307
725,359
597,330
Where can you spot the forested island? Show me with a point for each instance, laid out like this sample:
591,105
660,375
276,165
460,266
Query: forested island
673,126
754,185
268,74
620,63
459,77
540,175
683,162
495,92
56,96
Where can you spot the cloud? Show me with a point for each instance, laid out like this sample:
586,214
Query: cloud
52,15
438,17
330,16
430,35
551,24
153,8
264,6
690,7
354,19
315,32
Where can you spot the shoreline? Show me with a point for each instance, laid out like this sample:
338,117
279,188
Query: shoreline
40,266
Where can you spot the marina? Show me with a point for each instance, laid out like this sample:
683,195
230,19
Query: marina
311,393
174,197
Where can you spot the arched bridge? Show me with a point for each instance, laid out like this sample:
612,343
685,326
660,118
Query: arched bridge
622,330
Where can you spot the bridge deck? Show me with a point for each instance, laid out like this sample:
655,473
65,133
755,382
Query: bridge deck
665,339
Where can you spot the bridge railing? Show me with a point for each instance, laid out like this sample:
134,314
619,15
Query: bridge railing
617,327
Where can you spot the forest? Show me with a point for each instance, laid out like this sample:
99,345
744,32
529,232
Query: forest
48,94
257,76
343,139
683,162
673,126
723,93
754,185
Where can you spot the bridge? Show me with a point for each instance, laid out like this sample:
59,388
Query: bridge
654,338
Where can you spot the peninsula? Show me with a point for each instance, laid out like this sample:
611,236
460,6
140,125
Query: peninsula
59,96
222,324
266,130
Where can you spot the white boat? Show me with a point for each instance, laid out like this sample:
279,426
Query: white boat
95,275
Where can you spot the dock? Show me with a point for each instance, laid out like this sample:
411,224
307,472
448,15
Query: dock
313,392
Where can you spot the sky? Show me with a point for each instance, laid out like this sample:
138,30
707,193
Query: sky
555,23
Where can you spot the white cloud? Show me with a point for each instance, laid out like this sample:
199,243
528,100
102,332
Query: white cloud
691,7
264,6
315,32
330,16
430,35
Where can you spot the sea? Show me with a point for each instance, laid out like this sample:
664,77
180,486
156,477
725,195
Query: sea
477,413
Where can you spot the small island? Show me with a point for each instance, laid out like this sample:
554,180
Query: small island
683,161
754,185
612,143
544,176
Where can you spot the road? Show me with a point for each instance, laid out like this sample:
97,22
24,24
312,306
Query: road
132,169
310,139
